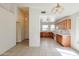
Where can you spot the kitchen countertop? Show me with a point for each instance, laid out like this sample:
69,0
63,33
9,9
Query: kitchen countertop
64,34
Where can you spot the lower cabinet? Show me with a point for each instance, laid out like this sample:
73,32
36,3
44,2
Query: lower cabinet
47,35
64,40
59,38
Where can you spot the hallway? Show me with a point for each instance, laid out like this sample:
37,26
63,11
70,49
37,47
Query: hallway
48,48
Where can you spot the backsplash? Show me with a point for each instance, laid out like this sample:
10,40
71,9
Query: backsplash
63,31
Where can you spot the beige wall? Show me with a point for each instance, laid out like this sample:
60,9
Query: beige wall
7,30
34,27
75,31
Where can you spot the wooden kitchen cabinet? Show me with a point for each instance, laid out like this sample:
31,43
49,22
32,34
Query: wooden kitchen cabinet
43,34
59,38
68,23
51,35
64,40
61,26
64,24
47,35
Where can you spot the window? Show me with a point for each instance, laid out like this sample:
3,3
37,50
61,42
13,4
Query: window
44,27
52,27
47,23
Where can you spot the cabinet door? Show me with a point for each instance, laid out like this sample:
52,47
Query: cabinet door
65,24
42,34
66,41
59,38
51,35
68,23
59,25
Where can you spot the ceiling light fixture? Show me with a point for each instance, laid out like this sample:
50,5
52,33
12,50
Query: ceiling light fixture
57,9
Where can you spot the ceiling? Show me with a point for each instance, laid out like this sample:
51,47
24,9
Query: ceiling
69,8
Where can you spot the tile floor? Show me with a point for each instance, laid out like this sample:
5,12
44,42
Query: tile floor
48,47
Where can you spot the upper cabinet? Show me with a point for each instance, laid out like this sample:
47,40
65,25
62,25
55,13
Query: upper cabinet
64,23
68,23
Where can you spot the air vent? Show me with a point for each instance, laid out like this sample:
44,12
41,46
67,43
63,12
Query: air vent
43,12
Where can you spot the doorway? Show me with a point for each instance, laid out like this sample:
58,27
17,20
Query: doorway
22,26
47,28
